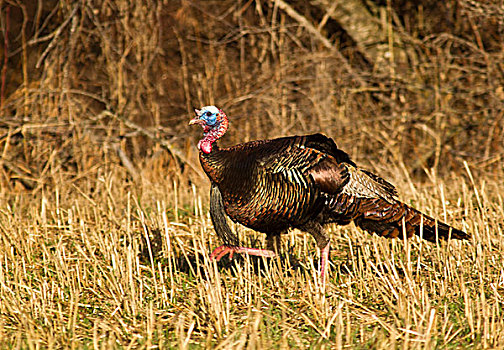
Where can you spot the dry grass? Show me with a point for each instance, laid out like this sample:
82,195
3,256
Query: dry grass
105,235
76,272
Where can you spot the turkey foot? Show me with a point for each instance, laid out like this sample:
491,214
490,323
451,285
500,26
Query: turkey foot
219,252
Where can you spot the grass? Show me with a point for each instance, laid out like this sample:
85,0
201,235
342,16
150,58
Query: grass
77,271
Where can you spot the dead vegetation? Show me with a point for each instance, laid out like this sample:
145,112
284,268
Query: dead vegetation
103,207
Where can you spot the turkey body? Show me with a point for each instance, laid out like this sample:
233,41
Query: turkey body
306,182
266,185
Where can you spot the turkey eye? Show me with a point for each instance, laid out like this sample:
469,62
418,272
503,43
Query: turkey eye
208,114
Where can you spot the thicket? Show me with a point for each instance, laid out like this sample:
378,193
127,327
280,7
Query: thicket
426,89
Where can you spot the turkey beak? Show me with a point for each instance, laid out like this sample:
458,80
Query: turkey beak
196,120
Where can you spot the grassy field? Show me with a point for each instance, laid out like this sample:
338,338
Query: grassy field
115,266
104,225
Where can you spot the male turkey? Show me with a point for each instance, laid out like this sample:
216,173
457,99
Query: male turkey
301,182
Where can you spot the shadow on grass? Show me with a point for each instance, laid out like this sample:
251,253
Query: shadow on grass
258,265
190,263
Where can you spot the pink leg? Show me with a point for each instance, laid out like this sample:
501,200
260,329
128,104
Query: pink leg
324,257
219,252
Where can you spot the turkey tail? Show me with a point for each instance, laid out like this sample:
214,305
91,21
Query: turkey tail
387,219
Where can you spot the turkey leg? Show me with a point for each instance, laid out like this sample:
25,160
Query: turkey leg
317,231
221,251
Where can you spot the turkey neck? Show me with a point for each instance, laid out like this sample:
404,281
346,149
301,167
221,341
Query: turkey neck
214,163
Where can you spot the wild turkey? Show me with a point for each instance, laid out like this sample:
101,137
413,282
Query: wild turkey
301,182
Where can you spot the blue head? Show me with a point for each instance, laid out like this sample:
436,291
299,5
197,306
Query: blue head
214,122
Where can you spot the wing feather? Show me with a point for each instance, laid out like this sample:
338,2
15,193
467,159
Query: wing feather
364,184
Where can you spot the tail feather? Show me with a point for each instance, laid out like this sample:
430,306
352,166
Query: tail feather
393,219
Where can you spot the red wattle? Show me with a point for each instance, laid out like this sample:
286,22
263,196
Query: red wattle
205,146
